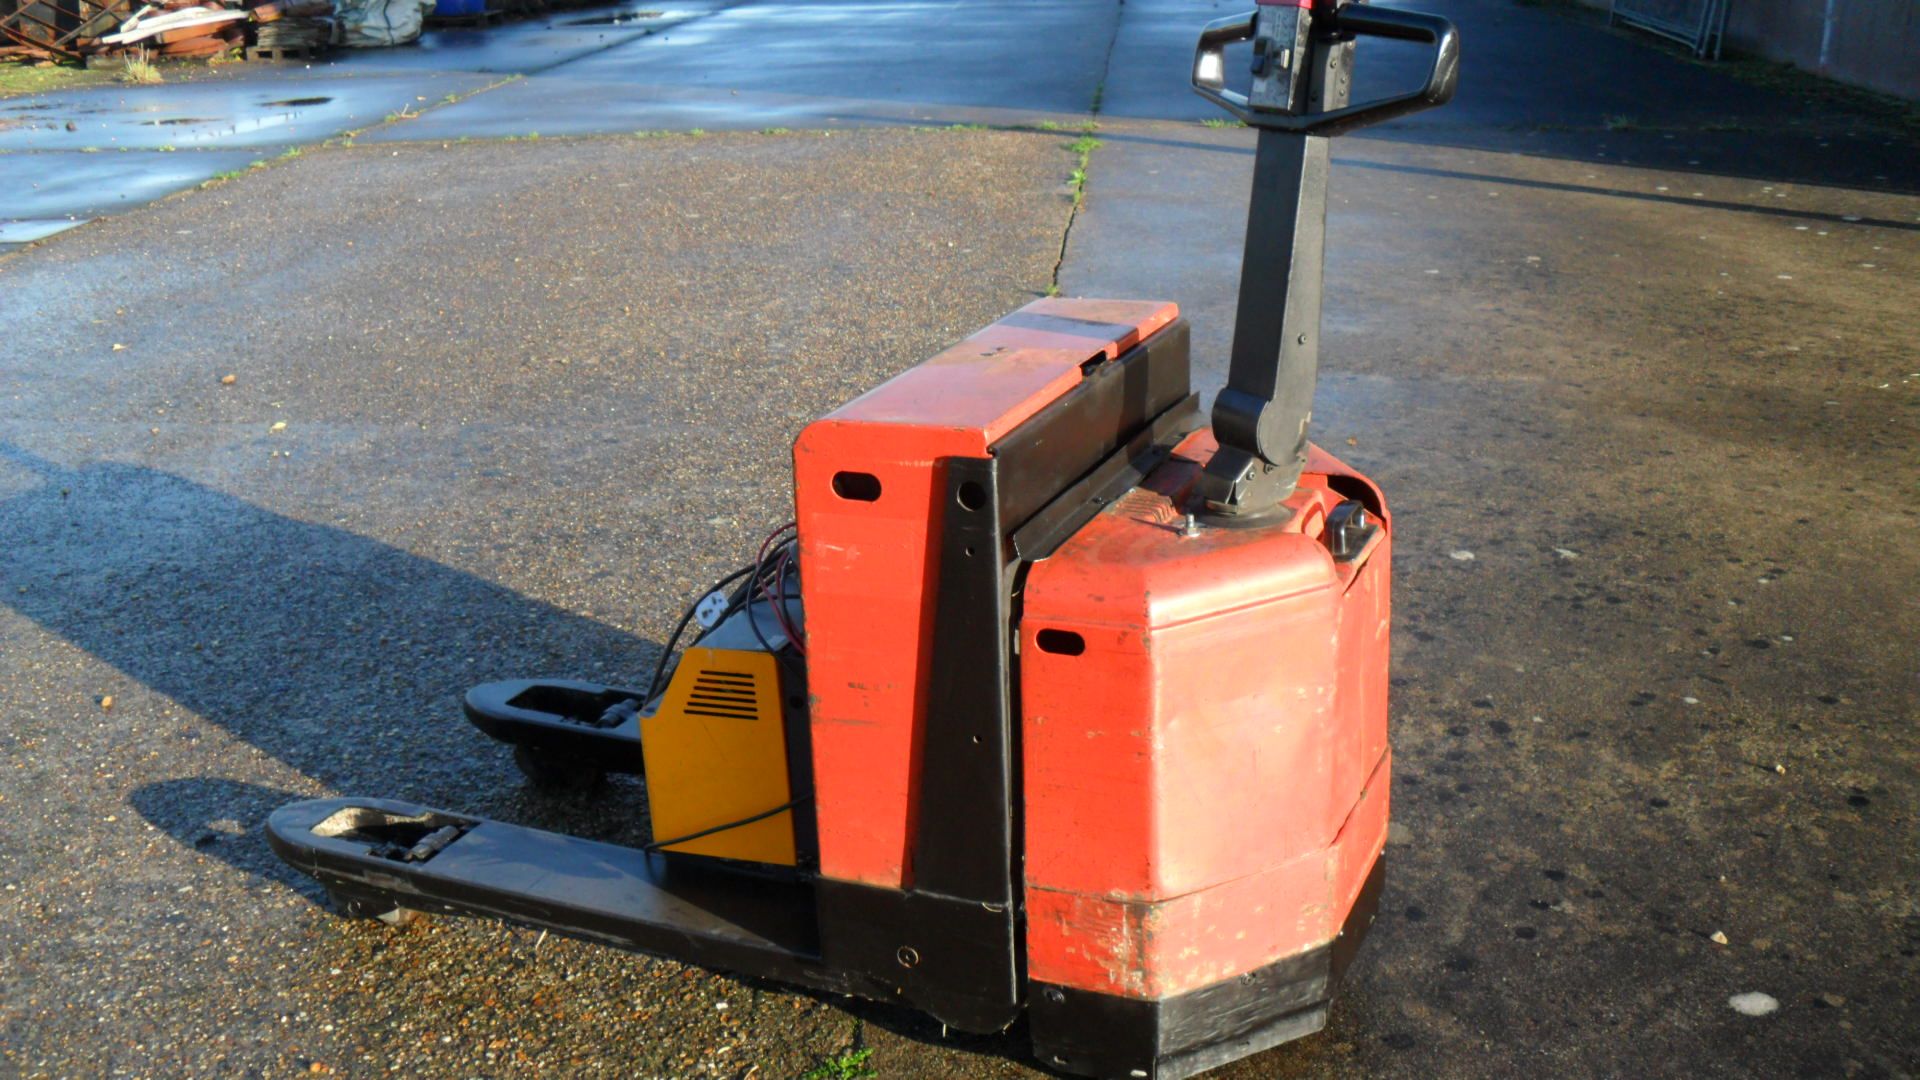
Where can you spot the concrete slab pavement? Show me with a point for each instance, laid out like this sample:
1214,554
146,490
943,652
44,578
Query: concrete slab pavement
1696,139
715,65
1647,428
618,69
522,46
549,106
270,107
1552,81
224,114
625,68
52,191
769,64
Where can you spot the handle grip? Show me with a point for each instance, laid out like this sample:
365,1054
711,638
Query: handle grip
1210,62
1356,20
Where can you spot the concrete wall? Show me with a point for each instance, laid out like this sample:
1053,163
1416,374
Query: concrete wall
1871,43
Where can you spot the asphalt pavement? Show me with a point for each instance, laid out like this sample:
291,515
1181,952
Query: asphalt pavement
1626,341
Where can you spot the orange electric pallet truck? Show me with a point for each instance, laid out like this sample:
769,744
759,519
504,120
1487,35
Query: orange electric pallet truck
1053,702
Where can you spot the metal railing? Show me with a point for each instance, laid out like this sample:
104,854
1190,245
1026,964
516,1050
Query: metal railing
1700,25
62,27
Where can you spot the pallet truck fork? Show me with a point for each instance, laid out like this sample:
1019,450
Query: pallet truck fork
1053,702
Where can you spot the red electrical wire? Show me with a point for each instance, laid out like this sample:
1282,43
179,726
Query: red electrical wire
779,598
771,537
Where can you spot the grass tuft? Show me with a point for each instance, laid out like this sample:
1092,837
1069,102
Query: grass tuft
848,1065
1082,149
141,71
26,78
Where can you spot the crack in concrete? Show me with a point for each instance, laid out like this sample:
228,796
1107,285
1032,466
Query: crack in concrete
1086,156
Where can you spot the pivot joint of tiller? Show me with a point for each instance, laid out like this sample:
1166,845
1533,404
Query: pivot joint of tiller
1302,72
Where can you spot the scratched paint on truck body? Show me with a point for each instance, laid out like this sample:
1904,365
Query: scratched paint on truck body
868,565
1206,778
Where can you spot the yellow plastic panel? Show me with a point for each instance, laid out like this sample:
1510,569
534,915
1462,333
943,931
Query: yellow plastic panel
716,751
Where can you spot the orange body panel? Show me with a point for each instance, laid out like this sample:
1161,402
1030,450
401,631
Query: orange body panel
1206,780
868,563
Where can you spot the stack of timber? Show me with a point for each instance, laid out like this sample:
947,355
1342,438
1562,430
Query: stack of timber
180,33
291,29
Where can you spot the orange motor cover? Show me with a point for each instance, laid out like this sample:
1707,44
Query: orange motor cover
1204,736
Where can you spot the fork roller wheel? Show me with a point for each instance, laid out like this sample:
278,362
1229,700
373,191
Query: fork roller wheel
557,772
350,906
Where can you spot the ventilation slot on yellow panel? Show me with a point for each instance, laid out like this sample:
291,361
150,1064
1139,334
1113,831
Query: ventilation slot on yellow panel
729,695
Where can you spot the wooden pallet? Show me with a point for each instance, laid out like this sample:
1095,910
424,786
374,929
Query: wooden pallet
291,9
484,19
195,48
284,52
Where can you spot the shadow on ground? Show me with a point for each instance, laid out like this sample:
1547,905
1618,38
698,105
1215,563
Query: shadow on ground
331,652
341,656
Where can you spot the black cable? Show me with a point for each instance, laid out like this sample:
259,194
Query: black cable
666,651
656,845
753,624
789,565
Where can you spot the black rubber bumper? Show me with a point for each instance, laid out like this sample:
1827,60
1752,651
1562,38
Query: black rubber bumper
1092,1034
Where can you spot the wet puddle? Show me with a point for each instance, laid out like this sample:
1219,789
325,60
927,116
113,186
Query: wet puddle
31,229
44,107
618,19
171,120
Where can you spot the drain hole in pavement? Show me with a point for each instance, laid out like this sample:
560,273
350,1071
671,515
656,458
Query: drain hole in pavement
296,102
180,120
